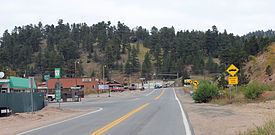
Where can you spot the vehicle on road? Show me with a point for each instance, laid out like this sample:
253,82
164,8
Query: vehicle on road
117,88
132,87
158,86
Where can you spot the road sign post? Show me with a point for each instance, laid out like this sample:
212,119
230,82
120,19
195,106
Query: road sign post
58,92
232,70
46,78
196,84
57,74
233,80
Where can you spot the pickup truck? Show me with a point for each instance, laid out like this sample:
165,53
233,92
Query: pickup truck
51,97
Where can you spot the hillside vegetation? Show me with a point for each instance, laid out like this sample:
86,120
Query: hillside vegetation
256,67
83,50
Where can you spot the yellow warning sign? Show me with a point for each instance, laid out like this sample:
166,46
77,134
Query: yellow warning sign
195,88
196,83
232,70
233,80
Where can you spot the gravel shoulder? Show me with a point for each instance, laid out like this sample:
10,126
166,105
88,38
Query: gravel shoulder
211,119
20,122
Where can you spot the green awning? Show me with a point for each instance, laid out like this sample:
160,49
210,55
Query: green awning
20,83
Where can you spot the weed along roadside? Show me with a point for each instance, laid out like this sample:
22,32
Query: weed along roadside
247,107
227,118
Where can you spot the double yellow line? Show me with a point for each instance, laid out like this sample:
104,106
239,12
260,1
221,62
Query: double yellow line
119,120
156,98
112,124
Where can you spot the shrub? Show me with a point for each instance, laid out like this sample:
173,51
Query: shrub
267,129
253,90
206,92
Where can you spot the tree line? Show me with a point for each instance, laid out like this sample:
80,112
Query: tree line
37,48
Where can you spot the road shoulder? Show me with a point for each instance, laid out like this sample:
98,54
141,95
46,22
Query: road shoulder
211,119
46,116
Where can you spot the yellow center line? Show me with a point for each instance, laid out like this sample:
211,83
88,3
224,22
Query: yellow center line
156,98
112,124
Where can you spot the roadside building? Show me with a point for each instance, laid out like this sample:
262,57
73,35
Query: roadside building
73,86
17,94
115,86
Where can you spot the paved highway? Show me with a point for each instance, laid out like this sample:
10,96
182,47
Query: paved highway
157,112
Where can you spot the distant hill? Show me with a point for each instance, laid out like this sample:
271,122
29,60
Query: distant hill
85,50
89,66
261,33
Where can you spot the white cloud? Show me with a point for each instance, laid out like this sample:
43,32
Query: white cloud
237,16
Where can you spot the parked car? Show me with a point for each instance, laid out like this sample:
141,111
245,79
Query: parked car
5,111
132,87
51,97
117,88
126,87
142,88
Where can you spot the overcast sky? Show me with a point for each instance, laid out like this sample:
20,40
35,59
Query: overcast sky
236,16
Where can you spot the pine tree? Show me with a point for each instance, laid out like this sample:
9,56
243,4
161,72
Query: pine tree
134,60
146,67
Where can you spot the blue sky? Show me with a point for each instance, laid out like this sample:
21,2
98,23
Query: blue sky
236,16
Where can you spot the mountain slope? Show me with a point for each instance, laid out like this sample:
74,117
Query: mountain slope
256,67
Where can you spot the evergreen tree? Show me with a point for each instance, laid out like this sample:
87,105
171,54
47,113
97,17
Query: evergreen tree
146,66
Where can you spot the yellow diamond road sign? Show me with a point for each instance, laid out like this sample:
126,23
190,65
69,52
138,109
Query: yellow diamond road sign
232,70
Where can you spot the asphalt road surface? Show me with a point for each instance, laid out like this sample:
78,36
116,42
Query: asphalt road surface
157,112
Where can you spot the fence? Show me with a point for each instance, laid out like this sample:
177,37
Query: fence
21,102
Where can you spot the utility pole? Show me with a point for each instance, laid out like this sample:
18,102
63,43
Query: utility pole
31,80
103,74
75,72
177,79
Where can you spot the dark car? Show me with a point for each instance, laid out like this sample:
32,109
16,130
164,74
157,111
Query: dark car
157,86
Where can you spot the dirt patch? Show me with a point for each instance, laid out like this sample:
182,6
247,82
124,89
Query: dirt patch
256,66
268,95
210,119
20,122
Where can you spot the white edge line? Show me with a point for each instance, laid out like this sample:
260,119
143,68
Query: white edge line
100,109
150,92
184,118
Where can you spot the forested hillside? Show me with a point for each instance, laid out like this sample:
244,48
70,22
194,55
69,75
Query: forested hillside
37,49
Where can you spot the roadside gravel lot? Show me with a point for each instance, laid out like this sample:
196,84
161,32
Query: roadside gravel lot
20,122
211,119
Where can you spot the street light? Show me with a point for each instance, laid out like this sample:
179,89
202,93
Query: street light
103,78
103,72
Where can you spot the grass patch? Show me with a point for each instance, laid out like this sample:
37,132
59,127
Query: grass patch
236,97
253,90
267,129
142,51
